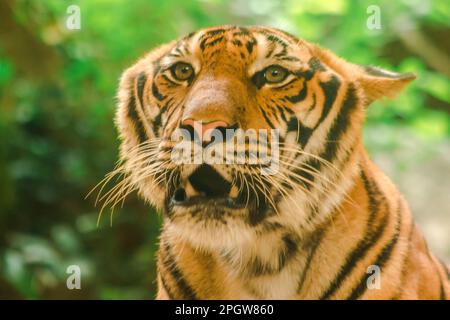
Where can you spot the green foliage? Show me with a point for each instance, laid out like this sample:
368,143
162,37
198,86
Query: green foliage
58,138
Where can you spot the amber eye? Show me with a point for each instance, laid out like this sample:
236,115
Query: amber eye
182,71
275,74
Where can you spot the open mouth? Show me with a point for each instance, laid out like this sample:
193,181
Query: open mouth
210,187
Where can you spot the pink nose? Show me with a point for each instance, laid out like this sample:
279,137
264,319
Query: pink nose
204,130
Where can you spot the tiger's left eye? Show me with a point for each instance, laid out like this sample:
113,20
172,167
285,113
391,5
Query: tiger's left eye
182,71
275,74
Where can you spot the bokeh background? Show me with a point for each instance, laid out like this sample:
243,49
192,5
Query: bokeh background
57,139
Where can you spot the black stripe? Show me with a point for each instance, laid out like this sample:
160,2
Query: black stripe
293,124
263,112
189,35
157,67
271,50
237,42
316,241
304,74
242,32
340,124
208,35
256,267
316,65
135,119
358,254
281,54
334,134
212,33
214,42
369,239
442,295
174,55
156,93
171,83
186,50
250,44
170,264
140,87
382,257
405,260
275,39
204,43
304,133
171,109
166,287
313,104
301,95
330,90
258,211
289,58
156,124
447,272
288,35
178,50
282,113
162,177
446,269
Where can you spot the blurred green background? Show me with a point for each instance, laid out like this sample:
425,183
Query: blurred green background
57,100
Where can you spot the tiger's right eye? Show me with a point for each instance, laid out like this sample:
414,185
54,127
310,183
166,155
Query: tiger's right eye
182,71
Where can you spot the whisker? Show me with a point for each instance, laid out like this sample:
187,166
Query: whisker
265,191
318,158
317,174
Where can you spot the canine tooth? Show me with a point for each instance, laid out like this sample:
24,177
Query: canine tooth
234,192
190,191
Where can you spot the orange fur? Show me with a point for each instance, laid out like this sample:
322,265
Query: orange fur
330,212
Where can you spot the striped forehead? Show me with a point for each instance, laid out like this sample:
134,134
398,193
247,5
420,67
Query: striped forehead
268,47
261,45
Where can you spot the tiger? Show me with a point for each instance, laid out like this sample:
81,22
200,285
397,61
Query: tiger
327,223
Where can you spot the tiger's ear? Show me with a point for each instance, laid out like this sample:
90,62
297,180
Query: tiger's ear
378,83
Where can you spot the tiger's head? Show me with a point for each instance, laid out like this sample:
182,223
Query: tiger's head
308,102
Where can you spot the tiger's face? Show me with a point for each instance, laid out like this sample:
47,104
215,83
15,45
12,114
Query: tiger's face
213,86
